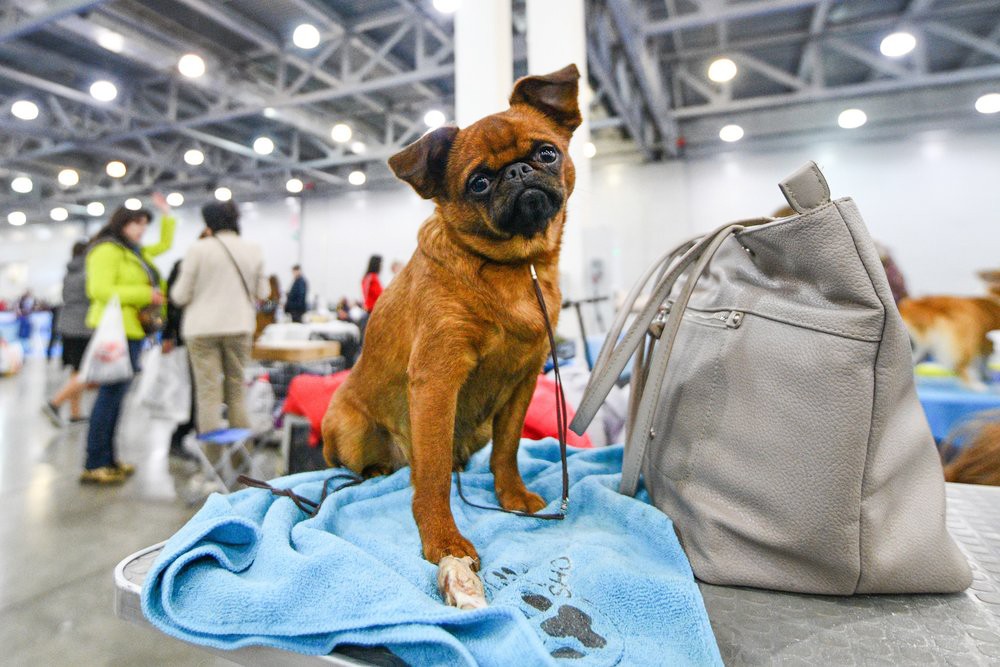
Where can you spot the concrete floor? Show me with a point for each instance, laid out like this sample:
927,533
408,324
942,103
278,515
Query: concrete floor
60,540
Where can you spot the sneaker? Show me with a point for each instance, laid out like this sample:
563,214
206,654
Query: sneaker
51,411
105,475
126,469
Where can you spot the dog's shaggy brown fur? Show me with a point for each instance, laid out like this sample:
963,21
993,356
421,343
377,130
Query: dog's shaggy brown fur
455,344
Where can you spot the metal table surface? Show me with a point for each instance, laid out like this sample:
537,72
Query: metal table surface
757,627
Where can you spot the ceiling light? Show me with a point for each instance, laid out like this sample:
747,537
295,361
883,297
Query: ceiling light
434,118
103,91
191,65
17,218
116,169
357,178
270,112
263,146
68,178
95,209
731,133
58,214
989,103
897,44
175,199
722,70
358,147
194,157
447,6
24,109
110,40
589,149
341,133
223,194
306,36
852,118
133,204
294,185
22,184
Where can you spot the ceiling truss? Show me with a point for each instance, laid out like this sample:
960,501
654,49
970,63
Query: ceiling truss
381,65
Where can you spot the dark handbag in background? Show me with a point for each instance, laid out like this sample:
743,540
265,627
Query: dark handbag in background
784,437
151,319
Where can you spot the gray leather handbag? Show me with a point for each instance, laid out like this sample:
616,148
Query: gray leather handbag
774,415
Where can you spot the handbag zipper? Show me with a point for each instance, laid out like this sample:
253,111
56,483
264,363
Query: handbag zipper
729,319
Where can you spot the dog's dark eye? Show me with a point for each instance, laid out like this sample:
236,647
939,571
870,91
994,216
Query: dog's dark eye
548,154
478,184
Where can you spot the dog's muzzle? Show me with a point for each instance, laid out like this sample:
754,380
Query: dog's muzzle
530,211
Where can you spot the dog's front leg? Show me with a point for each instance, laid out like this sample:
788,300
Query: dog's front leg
507,426
437,369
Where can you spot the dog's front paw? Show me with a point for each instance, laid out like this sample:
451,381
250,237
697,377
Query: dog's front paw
454,545
520,500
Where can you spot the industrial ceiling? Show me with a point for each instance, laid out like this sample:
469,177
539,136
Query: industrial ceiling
377,66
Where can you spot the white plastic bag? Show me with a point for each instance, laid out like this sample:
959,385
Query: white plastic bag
260,405
149,369
168,395
106,359
11,357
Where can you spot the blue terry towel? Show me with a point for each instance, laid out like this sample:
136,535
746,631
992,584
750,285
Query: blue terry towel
607,586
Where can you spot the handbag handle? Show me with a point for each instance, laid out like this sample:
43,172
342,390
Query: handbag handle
641,431
659,267
612,359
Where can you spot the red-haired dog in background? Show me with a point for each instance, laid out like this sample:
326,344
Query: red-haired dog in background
953,329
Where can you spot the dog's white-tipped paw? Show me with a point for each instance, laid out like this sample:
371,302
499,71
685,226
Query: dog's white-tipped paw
460,586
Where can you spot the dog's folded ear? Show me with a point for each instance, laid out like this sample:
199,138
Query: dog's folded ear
422,163
553,94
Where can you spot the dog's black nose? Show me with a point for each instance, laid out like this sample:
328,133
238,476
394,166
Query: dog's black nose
516,171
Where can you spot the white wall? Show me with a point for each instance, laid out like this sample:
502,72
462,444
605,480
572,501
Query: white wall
35,257
340,234
933,199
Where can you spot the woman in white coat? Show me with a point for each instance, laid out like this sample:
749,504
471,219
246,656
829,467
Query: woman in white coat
221,278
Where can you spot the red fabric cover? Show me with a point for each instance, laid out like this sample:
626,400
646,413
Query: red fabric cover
309,396
540,422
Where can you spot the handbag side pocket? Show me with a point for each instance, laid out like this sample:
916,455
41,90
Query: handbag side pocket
756,458
687,405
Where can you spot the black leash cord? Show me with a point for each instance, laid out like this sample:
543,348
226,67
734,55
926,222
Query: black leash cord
561,424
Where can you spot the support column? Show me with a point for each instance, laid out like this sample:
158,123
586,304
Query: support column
484,61
557,37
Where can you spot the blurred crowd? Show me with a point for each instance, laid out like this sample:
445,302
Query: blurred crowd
211,306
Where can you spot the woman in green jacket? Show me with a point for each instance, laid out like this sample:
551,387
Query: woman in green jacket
117,264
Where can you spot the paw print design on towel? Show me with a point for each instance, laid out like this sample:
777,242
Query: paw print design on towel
571,627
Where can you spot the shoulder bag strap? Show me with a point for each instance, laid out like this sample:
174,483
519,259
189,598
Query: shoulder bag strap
151,272
614,357
236,266
641,432
659,267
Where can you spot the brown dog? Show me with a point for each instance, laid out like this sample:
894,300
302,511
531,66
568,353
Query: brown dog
455,344
953,329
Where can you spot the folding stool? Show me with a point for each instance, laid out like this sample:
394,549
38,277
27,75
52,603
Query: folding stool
224,455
